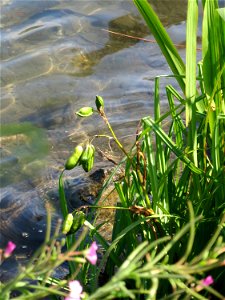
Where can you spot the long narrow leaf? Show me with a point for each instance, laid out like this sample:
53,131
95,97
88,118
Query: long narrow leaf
178,152
62,197
163,40
152,171
213,59
191,43
160,157
212,48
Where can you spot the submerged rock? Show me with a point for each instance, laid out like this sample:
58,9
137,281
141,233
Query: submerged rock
23,214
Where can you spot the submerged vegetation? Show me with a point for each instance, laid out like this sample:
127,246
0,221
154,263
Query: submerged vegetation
168,238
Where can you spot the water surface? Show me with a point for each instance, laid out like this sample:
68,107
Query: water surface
55,57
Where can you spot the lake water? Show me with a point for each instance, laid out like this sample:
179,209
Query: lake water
55,57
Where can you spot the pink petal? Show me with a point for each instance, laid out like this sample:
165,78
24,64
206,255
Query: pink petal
75,290
9,249
91,254
208,280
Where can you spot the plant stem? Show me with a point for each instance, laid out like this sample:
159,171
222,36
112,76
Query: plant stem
103,115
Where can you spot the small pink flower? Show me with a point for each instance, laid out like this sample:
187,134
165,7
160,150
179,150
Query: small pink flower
9,249
75,290
91,254
208,280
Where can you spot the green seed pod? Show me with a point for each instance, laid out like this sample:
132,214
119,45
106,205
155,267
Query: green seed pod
87,153
87,166
85,111
84,156
78,220
92,150
54,254
73,160
219,241
63,242
99,102
67,224
89,162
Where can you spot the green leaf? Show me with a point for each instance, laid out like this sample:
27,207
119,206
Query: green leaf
85,111
221,12
163,40
177,151
213,52
191,44
62,197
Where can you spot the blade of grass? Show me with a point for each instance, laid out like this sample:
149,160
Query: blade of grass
178,152
191,236
178,124
191,43
160,158
152,172
213,52
166,249
70,239
62,197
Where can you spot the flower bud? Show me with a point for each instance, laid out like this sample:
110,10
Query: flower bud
85,111
87,153
73,160
67,224
88,161
89,165
99,102
78,220
91,253
63,242
9,249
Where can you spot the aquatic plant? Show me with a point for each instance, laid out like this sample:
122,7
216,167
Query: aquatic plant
166,170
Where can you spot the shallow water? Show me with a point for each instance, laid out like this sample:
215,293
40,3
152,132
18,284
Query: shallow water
55,57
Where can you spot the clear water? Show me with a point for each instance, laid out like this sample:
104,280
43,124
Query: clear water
55,57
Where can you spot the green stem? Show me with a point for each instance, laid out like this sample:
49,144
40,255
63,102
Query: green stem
104,207
103,115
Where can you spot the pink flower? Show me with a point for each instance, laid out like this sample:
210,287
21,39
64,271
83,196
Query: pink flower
208,280
75,290
91,254
9,249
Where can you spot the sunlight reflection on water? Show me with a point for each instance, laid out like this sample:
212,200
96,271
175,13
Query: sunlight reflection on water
55,59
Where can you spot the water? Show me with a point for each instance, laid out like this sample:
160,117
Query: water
55,58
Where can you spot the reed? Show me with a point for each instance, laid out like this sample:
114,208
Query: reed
171,167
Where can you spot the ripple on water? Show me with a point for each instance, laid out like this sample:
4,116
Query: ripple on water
56,59
7,98
16,12
27,66
18,209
